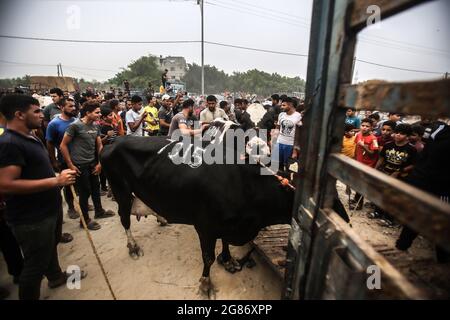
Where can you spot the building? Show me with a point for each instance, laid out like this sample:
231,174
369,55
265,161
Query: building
175,65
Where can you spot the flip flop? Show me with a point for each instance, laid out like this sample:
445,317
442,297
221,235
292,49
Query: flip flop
66,238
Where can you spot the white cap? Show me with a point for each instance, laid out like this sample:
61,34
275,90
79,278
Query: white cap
165,97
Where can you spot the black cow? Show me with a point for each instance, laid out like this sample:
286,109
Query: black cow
231,202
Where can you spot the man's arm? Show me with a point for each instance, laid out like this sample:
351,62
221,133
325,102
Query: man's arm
99,148
192,132
135,124
64,147
380,162
162,121
11,184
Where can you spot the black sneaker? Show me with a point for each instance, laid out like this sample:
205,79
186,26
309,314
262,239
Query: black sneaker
66,238
104,214
72,213
91,225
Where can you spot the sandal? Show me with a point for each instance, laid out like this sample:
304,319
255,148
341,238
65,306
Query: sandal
104,214
66,238
91,225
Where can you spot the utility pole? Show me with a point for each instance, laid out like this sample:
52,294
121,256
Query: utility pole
446,75
200,2
59,68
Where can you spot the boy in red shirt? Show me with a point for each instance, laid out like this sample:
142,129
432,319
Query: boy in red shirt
366,152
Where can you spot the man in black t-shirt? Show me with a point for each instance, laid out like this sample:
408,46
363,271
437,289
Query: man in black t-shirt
431,173
397,157
33,194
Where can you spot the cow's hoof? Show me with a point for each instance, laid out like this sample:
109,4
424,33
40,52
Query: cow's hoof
207,289
232,265
135,251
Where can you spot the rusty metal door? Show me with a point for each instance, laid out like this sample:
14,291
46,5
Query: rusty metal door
326,258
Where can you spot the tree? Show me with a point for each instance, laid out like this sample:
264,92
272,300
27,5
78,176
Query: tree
139,73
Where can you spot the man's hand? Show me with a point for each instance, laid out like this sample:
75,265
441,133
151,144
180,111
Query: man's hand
110,133
144,114
74,168
295,154
66,177
361,143
97,169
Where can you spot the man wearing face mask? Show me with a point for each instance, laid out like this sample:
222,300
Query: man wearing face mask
180,120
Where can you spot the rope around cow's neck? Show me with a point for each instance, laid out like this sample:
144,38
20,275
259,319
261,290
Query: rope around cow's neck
283,181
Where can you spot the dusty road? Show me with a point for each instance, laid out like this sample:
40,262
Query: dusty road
170,268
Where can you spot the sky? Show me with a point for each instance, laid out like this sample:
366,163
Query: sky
415,40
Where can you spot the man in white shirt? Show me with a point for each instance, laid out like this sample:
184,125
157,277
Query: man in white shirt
287,122
135,117
212,112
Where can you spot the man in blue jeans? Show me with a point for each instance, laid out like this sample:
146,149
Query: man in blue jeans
33,194
287,122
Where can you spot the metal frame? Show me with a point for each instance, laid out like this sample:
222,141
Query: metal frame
324,253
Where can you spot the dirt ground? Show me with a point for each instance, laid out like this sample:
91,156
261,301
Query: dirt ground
418,264
170,268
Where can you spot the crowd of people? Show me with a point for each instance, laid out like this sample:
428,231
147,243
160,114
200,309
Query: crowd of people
416,153
44,149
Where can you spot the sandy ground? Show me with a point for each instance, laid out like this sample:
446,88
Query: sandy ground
170,268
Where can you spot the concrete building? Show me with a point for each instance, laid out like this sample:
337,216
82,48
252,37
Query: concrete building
175,65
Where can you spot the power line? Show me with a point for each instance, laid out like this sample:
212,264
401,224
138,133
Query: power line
52,65
256,49
230,46
98,41
83,73
398,68
407,44
402,47
255,14
271,12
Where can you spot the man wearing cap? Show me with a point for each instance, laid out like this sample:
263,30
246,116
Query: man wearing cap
165,115
212,112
